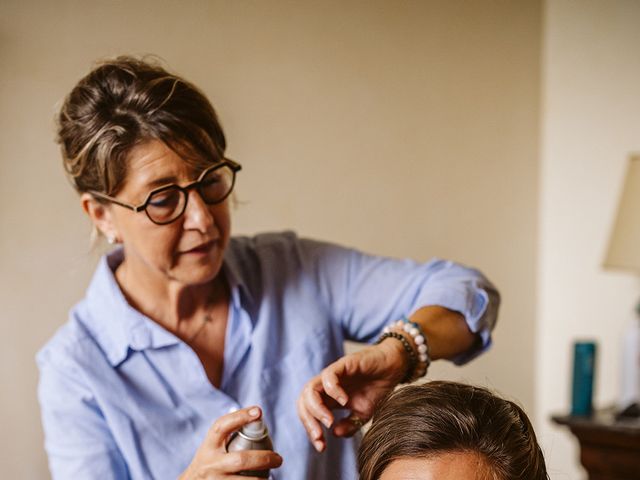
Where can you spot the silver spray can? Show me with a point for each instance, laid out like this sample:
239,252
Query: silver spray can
253,436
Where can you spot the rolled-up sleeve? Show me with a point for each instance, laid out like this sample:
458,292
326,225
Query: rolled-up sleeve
367,292
467,291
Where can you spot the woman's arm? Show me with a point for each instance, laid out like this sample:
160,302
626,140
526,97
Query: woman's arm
366,292
357,382
455,306
447,332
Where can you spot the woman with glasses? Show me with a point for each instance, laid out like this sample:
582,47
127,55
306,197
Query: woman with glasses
186,333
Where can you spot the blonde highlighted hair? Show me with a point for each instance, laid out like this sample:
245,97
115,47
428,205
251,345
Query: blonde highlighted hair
122,103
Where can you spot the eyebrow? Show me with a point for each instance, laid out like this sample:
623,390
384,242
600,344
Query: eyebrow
169,180
165,181
161,182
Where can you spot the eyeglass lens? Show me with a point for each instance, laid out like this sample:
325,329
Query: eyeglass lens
168,204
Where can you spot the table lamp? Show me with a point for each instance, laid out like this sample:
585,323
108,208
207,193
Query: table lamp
624,253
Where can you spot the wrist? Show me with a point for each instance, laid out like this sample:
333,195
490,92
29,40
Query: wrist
401,353
397,358
414,343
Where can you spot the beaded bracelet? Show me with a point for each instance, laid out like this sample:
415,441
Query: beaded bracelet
411,353
420,340
414,329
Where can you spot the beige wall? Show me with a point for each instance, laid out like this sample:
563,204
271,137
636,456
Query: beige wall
591,122
402,128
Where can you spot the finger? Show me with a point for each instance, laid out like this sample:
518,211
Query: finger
315,405
311,425
346,427
252,460
227,424
331,382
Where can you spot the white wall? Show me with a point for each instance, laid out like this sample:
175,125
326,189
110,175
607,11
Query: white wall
591,121
403,128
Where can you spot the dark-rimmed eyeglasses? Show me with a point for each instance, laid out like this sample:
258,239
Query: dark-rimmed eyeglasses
166,204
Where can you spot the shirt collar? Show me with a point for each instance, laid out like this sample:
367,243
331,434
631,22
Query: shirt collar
243,289
117,326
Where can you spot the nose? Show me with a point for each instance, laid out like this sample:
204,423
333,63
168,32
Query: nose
197,215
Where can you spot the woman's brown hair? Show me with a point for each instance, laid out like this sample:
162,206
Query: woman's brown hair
124,102
437,417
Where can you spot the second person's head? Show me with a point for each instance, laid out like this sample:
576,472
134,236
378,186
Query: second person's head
445,431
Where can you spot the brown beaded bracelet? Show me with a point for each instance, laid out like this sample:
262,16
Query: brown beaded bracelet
413,359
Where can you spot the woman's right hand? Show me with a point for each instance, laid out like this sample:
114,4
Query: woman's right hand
212,461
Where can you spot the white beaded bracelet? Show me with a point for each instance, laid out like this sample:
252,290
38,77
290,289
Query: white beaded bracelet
420,341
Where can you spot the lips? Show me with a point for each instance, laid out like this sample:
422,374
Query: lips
202,248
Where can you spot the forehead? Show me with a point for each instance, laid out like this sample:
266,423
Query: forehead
153,163
443,466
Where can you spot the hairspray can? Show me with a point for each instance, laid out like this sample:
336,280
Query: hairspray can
253,436
584,358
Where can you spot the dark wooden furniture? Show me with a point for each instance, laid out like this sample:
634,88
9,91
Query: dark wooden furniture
609,448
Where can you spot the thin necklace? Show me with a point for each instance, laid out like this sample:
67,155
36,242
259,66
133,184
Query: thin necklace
205,320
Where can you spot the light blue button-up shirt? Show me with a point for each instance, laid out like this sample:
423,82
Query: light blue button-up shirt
123,398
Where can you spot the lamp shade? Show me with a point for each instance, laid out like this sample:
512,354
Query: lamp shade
624,243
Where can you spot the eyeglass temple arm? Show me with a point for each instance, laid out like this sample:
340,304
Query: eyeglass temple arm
234,165
116,201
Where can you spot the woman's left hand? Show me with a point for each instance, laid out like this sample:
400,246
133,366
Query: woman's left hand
356,382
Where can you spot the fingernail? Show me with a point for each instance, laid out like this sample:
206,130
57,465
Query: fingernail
326,421
318,446
342,400
254,412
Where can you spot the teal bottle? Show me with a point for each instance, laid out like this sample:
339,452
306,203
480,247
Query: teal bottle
584,359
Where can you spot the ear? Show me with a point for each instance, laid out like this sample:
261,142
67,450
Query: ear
100,214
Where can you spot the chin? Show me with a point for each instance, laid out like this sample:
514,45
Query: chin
198,274
192,279
198,269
